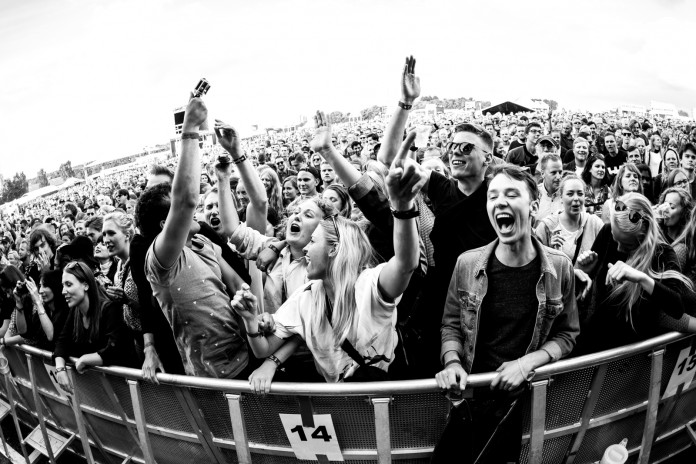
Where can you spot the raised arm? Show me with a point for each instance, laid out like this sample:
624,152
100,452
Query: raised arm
185,189
403,184
393,134
321,143
229,219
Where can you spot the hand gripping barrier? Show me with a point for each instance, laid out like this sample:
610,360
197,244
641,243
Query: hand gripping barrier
575,409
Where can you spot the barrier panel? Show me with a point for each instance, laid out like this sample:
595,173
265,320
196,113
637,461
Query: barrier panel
575,409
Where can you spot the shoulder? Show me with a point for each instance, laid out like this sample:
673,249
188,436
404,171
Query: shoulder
558,259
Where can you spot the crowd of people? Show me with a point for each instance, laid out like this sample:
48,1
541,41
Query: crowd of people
362,252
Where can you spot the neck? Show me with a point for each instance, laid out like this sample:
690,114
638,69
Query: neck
296,252
530,145
328,288
580,163
571,221
674,230
103,261
83,307
516,254
470,184
595,183
124,254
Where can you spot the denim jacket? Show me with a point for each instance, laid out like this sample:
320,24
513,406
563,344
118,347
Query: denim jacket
556,324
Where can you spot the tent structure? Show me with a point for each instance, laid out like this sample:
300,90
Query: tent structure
506,107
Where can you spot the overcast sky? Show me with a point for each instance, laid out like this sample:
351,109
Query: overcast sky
91,79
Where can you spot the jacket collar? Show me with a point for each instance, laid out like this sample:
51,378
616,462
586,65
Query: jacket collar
488,250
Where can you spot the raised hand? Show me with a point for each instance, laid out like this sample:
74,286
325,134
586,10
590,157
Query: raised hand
322,134
404,180
195,115
410,83
228,138
33,291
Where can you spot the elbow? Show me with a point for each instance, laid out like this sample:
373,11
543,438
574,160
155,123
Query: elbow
261,204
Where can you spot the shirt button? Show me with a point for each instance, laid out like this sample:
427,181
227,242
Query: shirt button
194,302
178,289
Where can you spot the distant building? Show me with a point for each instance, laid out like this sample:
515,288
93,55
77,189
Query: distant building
661,109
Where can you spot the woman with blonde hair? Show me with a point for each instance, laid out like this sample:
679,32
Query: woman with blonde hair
673,212
653,156
274,189
346,313
627,180
638,289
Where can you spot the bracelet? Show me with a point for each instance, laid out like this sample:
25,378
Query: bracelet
190,135
274,248
61,369
147,345
275,359
453,361
408,214
240,160
41,313
519,366
405,106
255,335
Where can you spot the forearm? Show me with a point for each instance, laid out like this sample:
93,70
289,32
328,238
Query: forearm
186,185
20,321
46,323
647,283
393,136
92,359
450,356
536,359
344,169
254,187
229,218
406,247
60,362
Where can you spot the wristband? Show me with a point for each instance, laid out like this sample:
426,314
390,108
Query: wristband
255,335
61,369
453,361
240,160
275,359
190,135
405,106
41,313
274,248
408,214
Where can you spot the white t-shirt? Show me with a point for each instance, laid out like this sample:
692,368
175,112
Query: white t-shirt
375,337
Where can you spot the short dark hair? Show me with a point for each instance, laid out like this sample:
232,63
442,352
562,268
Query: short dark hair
530,125
72,207
123,192
42,232
153,208
516,173
687,147
69,216
476,130
610,134
95,222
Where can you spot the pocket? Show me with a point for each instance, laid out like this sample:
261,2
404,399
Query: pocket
469,309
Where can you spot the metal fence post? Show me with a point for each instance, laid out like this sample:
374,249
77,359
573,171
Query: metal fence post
653,404
382,432
536,430
79,418
241,443
39,409
140,421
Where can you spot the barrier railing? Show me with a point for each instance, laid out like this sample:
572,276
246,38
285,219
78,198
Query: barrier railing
575,409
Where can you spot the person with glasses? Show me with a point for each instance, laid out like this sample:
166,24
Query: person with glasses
526,156
94,331
628,179
346,313
638,291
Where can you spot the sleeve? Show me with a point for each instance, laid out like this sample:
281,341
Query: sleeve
115,332
380,308
542,233
451,333
230,257
158,273
249,242
437,188
566,325
64,340
288,320
374,204
667,294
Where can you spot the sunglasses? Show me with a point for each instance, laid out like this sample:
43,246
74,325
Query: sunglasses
333,219
464,148
633,215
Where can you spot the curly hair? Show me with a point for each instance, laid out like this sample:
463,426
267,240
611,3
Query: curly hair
43,232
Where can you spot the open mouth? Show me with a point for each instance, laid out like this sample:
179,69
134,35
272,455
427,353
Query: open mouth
505,221
295,228
457,163
214,221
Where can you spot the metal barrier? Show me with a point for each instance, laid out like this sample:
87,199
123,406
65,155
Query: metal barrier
576,408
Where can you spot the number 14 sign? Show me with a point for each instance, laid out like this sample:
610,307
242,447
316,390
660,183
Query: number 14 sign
683,373
310,442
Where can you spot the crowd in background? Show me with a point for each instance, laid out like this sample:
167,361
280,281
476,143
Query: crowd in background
350,251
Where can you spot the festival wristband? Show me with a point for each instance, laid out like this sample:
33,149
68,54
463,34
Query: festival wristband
405,106
190,135
453,361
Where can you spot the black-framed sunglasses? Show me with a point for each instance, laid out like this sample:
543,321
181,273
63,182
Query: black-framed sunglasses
333,219
633,215
465,148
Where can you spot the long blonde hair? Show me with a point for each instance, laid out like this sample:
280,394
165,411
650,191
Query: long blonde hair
275,196
648,234
350,254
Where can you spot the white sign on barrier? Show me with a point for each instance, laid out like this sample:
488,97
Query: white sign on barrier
683,373
52,375
309,442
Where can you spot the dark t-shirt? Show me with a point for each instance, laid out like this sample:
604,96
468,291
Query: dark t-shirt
461,224
613,163
515,144
507,315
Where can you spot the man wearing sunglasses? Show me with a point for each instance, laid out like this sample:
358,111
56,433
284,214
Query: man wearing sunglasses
525,156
